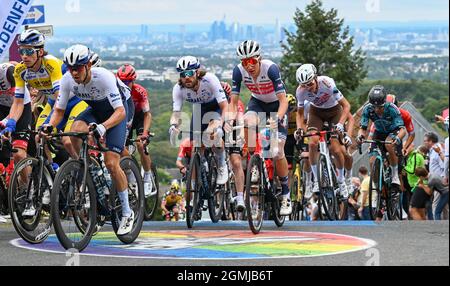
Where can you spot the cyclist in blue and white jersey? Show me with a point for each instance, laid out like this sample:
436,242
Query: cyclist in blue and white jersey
388,124
263,78
106,97
204,90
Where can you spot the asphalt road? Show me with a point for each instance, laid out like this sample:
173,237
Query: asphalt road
394,243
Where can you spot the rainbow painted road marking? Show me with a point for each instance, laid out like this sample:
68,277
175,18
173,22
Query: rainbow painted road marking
214,245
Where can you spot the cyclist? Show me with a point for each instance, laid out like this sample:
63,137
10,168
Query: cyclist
142,119
327,105
262,77
107,112
44,72
184,156
407,119
388,124
204,90
173,201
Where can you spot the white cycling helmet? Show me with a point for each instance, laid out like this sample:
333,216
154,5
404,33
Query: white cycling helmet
32,38
77,55
306,73
95,60
248,49
188,63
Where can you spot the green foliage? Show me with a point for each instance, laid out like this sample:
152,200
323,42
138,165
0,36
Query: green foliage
322,39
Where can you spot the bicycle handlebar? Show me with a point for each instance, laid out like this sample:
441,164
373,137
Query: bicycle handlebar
372,142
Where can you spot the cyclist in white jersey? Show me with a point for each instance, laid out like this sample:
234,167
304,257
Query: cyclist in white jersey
327,105
205,91
262,77
106,97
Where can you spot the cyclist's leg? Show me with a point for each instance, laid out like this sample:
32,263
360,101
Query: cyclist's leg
393,161
81,124
251,119
70,116
42,119
336,148
315,123
20,142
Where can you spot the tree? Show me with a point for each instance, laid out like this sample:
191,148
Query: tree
321,39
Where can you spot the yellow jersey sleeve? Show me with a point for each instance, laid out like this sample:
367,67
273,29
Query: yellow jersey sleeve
19,72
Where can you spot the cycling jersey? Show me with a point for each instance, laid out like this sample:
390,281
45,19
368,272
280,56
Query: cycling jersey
210,90
390,121
407,120
267,86
327,96
140,99
104,93
47,79
178,199
185,150
7,92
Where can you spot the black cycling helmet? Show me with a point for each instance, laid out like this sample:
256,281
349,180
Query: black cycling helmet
377,96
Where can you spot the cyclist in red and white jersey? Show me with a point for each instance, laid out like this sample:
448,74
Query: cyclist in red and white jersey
262,77
184,155
142,120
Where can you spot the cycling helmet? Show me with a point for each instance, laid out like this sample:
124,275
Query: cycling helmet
32,38
306,73
175,186
377,96
292,100
248,49
77,55
95,60
392,99
188,63
127,73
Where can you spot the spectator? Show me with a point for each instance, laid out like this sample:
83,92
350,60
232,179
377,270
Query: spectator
414,159
353,200
436,166
363,201
421,196
428,184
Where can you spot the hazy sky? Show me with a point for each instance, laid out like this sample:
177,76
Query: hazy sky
131,12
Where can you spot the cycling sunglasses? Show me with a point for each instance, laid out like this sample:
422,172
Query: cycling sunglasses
250,61
186,74
75,68
308,84
27,51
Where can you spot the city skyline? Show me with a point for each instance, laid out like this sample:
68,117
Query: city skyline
256,12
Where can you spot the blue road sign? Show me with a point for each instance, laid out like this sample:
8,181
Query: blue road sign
36,15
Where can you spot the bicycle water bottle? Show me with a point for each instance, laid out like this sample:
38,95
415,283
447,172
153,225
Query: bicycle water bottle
107,175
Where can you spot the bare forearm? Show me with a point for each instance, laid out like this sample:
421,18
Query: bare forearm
57,117
147,121
175,118
16,109
118,116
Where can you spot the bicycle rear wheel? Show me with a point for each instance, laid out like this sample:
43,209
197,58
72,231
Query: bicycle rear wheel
151,202
375,189
193,186
135,197
229,208
33,229
254,194
327,197
394,206
70,200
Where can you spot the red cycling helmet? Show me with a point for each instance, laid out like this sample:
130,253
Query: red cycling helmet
127,73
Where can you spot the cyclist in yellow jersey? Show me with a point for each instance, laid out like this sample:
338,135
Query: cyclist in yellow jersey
173,201
44,72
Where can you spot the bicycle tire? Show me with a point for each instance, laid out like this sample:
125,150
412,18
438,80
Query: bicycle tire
255,226
60,209
276,204
151,203
376,180
327,197
136,201
34,232
216,193
192,191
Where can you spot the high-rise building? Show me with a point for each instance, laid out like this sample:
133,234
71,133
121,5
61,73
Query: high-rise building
144,31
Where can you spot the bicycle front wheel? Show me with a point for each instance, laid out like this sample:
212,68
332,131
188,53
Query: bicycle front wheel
375,188
25,193
193,185
254,194
72,201
135,197
327,197
151,202
217,193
